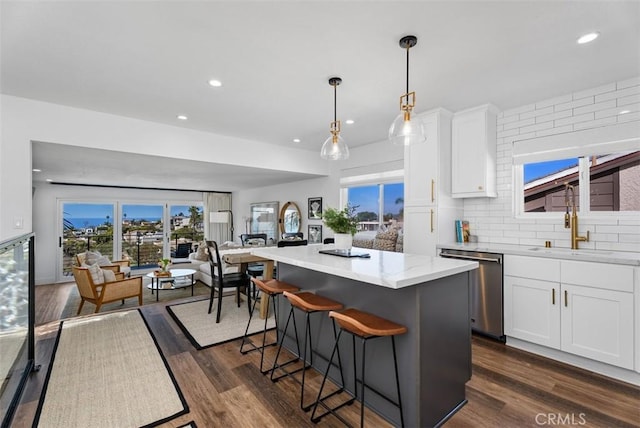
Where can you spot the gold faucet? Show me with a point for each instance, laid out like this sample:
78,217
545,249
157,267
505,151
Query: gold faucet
572,222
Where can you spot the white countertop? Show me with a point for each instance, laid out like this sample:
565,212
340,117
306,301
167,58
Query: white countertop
384,268
599,256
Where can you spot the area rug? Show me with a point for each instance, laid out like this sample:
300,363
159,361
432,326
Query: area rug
108,371
201,328
73,302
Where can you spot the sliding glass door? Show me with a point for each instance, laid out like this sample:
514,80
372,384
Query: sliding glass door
85,227
143,234
140,233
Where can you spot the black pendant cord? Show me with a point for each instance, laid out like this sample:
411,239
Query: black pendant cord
335,102
408,47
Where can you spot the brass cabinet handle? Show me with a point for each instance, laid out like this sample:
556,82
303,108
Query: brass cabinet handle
553,296
433,185
432,221
566,298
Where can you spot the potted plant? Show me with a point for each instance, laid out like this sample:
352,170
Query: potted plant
344,224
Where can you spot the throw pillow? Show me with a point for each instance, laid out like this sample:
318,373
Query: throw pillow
91,257
386,241
103,261
109,275
362,243
202,254
96,273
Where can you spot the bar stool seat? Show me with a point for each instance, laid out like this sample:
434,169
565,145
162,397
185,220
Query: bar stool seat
308,303
272,288
365,326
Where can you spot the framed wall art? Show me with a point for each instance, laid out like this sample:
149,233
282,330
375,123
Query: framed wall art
315,234
315,208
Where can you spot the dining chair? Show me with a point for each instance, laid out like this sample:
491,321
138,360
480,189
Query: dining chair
220,280
292,243
251,240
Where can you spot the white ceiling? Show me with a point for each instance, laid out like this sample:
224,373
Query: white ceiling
152,61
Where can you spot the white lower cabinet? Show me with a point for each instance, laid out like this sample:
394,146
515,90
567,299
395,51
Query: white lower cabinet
598,324
577,307
530,311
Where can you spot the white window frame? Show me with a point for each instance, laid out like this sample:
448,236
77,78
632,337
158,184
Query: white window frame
580,144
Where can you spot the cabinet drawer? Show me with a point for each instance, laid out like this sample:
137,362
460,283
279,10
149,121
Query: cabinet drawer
600,275
532,267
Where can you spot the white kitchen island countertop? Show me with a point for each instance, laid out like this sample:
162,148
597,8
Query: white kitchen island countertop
383,268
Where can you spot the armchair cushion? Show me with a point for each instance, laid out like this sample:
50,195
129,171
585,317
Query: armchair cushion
109,275
97,276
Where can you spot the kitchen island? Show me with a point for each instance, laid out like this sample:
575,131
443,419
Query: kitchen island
429,295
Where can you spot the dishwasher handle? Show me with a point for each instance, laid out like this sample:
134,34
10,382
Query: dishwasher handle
463,257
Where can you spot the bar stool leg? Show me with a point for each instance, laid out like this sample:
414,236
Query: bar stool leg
275,361
395,366
364,345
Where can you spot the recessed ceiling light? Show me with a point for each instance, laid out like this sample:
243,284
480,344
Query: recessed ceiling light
590,37
296,140
36,170
624,111
349,121
50,180
182,117
215,83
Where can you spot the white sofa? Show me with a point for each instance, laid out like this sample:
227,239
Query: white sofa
203,269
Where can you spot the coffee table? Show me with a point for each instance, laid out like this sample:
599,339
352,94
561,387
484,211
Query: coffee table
179,278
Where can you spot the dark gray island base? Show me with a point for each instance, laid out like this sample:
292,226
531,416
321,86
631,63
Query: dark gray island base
434,357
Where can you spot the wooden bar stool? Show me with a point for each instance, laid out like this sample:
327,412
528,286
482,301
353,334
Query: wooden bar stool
365,326
308,303
272,288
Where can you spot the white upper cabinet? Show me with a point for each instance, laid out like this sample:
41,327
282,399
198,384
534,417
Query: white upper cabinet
473,153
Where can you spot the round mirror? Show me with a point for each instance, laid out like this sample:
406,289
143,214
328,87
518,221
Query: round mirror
290,218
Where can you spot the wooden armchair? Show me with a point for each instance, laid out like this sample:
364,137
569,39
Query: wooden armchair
107,292
123,266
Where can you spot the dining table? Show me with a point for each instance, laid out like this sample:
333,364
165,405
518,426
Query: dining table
243,260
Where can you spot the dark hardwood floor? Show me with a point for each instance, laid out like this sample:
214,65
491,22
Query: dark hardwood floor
509,388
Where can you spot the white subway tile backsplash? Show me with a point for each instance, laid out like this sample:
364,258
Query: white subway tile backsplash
553,116
594,107
554,131
519,123
537,127
492,219
618,94
536,112
596,123
631,99
575,119
573,104
614,111
610,87
629,117
507,119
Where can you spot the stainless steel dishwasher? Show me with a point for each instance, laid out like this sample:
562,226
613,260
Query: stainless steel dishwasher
486,291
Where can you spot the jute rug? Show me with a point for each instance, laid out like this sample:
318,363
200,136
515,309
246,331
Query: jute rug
73,302
201,328
108,371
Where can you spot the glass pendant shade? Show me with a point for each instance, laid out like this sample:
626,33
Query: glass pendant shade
406,130
334,148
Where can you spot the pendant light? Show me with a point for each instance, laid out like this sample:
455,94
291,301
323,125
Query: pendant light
334,147
404,130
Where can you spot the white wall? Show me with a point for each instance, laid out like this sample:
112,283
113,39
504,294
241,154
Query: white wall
492,220
26,120
376,157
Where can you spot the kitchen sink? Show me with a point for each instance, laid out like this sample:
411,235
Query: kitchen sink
569,251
